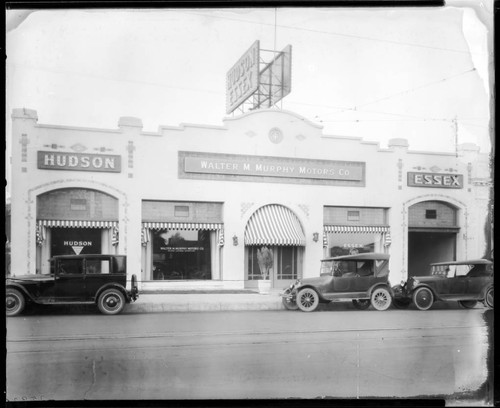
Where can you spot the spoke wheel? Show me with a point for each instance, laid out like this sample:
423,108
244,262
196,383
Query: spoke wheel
401,303
111,302
467,304
423,298
488,299
307,300
381,299
361,304
290,304
14,302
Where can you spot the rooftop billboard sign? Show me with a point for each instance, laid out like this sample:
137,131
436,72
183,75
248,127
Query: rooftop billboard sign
242,80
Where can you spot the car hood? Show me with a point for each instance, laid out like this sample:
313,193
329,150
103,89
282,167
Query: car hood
315,281
30,278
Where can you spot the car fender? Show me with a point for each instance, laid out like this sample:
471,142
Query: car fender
321,298
424,285
22,289
113,286
380,285
486,288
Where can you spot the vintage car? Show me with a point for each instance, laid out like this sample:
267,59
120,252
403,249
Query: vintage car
75,279
360,278
467,282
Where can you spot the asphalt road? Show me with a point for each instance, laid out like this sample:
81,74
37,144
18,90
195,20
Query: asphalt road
270,354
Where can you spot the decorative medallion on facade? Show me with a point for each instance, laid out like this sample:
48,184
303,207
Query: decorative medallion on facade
305,209
435,169
78,147
245,207
251,133
276,135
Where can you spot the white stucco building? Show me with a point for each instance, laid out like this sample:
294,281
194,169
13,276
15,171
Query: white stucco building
190,205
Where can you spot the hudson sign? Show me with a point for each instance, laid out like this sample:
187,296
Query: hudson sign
437,180
79,162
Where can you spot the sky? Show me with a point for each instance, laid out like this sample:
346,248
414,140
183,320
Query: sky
375,73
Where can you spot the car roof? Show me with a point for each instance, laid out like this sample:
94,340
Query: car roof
369,256
467,262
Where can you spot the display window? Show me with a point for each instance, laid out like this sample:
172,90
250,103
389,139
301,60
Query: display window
339,244
182,254
71,241
284,261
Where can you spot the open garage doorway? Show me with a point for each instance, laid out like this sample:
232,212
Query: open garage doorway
432,235
425,248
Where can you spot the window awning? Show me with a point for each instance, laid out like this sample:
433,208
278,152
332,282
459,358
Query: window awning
77,224
274,225
182,225
364,229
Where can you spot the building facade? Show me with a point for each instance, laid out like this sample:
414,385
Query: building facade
192,206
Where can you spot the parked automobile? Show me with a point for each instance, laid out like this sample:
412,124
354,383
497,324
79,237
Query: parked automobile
467,282
360,278
75,280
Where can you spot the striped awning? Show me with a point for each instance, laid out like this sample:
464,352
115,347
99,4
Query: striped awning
364,229
274,225
77,224
182,225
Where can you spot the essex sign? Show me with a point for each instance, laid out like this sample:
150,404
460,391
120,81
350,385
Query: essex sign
227,166
79,162
242,80
436,180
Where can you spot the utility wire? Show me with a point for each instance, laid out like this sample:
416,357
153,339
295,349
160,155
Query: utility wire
358,37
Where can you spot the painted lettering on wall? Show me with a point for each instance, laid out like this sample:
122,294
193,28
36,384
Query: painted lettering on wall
79,162
263,166
438,180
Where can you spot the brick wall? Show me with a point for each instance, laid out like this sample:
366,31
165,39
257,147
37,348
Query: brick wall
367,216
181,211
77,204
446,215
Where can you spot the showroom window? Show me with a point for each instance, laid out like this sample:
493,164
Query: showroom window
181,255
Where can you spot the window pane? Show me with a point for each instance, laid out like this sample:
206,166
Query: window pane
351,243
71,266
287,263
179,254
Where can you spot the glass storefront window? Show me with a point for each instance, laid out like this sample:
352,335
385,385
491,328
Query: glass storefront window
181,255
285,263
71,241
353,243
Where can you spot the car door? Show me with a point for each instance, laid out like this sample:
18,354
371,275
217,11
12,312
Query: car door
69,280
98,272
457,285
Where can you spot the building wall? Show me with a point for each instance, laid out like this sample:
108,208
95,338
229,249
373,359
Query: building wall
152,171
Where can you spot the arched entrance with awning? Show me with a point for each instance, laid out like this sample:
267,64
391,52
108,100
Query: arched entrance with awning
278,229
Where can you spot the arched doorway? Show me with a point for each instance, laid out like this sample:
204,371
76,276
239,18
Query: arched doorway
278,229
432,235
75,221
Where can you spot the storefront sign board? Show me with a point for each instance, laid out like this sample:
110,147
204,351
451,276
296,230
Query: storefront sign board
79,162
436,180
270,167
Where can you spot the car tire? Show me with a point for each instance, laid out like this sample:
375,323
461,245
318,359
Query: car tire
290,304
467,304
401,303
14,302
111,302
423,298
381,299
361,304
488,299
307,300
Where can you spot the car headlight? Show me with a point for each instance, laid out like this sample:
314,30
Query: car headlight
415,282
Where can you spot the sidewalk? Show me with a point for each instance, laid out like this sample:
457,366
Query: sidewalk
202,301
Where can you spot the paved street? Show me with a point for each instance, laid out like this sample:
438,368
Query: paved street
267,354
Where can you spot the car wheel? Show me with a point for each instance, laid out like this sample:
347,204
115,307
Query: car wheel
488,299
423,298
467,304
307,300
14,302
381,299
361,304
111,302
401,303
289,304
